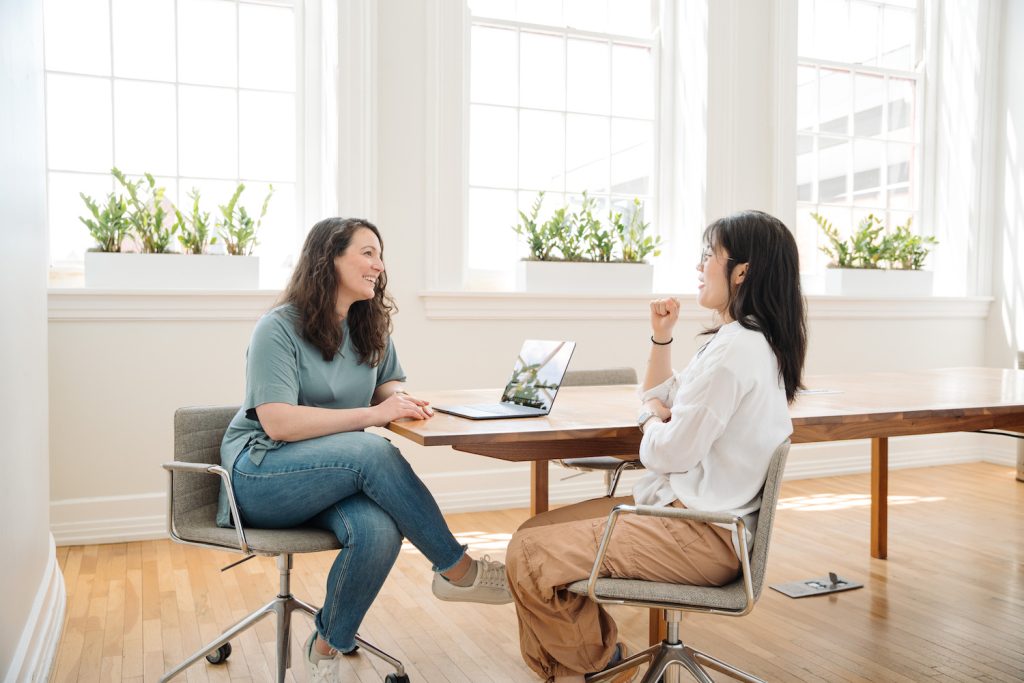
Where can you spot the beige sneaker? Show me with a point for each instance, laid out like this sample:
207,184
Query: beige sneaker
490,586
324,671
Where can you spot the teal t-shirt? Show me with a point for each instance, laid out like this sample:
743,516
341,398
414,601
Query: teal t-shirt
282,367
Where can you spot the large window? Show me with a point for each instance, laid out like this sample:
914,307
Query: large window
200,93
562,100
858,116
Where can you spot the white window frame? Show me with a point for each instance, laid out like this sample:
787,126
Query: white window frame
921,178
335,145
475,277
447,150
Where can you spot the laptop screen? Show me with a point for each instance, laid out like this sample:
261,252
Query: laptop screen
538,373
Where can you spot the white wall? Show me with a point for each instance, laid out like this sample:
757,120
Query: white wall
32,587
1006,324
115,382
963,69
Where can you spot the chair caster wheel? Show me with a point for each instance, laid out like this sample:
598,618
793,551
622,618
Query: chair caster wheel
221,655
395,678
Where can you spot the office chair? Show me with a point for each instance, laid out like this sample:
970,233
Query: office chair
192,519
735,599
611,466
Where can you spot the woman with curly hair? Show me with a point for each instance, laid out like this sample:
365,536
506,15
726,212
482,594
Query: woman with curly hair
320,369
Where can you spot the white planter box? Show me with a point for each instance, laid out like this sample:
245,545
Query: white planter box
874,282
170,271
572,277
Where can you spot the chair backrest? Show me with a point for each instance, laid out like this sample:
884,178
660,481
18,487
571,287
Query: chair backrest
198,432
766,517
600,377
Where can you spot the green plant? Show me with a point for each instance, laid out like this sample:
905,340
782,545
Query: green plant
573,238
837,250
909,250
194,229
147,213
866,246
539,238
108,225
599,240
636,244
554,228
237,228
581,236
871,246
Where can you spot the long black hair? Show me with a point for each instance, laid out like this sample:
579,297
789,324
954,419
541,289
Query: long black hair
313,291
768,299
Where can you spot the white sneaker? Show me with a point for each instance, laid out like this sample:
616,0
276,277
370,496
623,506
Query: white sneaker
490,586
324,671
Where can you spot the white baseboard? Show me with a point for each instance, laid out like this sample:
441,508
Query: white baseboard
116,519
807,461
37,647
109,519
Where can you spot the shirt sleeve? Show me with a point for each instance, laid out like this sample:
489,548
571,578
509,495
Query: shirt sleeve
700,413
663,392
390,370
271,368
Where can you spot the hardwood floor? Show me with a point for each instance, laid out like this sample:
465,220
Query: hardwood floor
948,604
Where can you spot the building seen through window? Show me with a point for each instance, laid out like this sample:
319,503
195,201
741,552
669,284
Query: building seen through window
858,116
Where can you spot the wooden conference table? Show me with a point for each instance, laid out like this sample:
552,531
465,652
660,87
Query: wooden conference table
590,421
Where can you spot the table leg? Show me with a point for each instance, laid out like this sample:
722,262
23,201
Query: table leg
656,630
879,497
538,487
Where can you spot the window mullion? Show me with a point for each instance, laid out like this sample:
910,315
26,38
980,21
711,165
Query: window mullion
238,94
113,128
611,122
177,105
883,177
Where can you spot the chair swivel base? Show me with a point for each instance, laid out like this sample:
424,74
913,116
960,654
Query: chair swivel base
664,655
659,657
282,607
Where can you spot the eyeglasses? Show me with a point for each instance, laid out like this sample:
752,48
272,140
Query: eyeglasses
708,253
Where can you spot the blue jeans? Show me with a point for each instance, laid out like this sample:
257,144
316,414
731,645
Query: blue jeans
358,486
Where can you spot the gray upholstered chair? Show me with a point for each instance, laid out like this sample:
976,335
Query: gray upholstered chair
611,467
191,519
735,599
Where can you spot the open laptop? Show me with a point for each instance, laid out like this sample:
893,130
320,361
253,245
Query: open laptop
531,390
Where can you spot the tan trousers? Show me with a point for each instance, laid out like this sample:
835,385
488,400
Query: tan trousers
562,633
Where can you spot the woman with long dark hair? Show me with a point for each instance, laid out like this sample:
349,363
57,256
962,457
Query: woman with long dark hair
320,369
709,434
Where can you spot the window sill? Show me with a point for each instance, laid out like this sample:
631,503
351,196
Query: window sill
80,304
527,306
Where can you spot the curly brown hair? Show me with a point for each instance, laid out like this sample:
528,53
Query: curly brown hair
313,291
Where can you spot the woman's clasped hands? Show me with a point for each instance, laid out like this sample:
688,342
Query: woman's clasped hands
401,405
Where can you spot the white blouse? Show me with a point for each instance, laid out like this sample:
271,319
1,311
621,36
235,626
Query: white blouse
729,414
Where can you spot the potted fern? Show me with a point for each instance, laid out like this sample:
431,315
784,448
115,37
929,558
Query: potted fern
136,230
576,252
874,261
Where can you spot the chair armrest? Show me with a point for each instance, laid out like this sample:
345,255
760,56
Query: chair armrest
685,513
198,468
676,513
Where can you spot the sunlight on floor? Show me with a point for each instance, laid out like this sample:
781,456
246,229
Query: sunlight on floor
476,540
837,501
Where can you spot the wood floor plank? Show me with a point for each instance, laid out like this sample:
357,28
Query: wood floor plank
947,606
